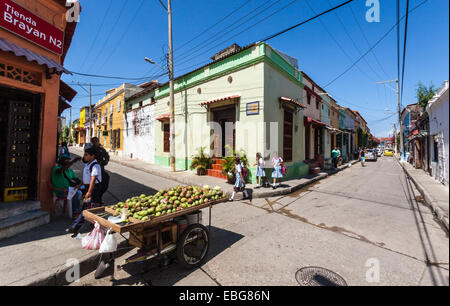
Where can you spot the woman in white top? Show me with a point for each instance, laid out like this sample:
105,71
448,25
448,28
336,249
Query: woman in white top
260,170
276,173
239,184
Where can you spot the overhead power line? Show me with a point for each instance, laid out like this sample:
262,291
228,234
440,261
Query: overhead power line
209,28
96,35
125,32
404,50
370,49
306,21
338,43
367,41
246,29
353,41
108,37
207,42
108,77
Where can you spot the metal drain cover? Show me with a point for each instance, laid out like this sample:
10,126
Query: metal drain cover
316,276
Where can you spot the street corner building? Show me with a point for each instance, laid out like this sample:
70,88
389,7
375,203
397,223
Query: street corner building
108,118
35,37
247,100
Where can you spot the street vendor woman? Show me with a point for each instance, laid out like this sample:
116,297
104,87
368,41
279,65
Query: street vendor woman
92,178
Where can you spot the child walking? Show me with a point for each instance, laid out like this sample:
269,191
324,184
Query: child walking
239,184
277,174
260,171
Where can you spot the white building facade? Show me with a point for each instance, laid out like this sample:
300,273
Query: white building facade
438,113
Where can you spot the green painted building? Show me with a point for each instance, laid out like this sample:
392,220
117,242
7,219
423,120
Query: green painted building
249,99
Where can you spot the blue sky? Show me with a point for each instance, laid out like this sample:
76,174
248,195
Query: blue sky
114,36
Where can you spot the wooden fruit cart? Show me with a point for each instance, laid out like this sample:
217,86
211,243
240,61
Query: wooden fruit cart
161,235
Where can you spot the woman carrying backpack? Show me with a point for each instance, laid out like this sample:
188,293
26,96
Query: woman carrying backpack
239,184
277,170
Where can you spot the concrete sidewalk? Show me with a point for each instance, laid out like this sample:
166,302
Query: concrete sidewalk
39,257
190,178
434,193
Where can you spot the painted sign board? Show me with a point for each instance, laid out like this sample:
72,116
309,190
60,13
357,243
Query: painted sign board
253,108
25,24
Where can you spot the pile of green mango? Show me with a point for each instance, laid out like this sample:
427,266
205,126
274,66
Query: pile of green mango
168,201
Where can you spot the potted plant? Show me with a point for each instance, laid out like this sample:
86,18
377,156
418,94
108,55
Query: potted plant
201,162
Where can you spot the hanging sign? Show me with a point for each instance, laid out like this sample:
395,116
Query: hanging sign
23,23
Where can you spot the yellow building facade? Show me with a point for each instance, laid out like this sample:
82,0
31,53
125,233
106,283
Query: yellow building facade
108,114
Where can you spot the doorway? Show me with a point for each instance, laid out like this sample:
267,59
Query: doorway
19,126
224,141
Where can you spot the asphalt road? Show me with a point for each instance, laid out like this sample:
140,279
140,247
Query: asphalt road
365,223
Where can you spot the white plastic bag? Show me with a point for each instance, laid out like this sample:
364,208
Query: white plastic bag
109,244
94,239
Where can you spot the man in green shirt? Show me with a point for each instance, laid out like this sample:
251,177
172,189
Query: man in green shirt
335,155
63,177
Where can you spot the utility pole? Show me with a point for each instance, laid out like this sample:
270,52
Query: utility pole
395,138
401,145
172,99
91,133
70,124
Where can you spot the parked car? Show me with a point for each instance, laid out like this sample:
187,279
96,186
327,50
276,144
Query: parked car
371,155
388,152
379,152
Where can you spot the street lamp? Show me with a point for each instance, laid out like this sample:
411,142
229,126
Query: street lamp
153,63
171,85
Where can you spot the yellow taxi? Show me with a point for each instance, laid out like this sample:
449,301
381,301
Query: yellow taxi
388,152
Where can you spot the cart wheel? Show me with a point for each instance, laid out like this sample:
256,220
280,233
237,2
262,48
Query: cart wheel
192,246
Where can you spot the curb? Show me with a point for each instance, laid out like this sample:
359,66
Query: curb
439,213
87,264
285,191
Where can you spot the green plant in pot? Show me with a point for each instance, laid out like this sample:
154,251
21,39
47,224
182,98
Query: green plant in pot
201,162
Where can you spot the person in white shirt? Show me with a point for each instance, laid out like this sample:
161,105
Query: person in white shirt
92,178
277,170
260,170
239,184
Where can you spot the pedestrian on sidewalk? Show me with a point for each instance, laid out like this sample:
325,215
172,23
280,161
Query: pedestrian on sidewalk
362,156
102,158
260,171
335,154
239,184
92,179
63,150
277,170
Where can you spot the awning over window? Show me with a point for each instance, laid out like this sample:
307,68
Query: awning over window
62,106
292,102
311,121
208,103
66,91
163,118
334,130
7,46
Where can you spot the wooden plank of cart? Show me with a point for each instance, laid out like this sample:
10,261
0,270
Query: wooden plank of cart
163,235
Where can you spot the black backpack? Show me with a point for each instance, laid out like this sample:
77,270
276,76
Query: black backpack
105,178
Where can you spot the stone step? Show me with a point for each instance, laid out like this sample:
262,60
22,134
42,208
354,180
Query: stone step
216,173
217,167
219,161
8,210
22,223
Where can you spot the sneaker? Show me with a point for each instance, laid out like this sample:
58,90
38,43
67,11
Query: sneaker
257,187
230,200
274,187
